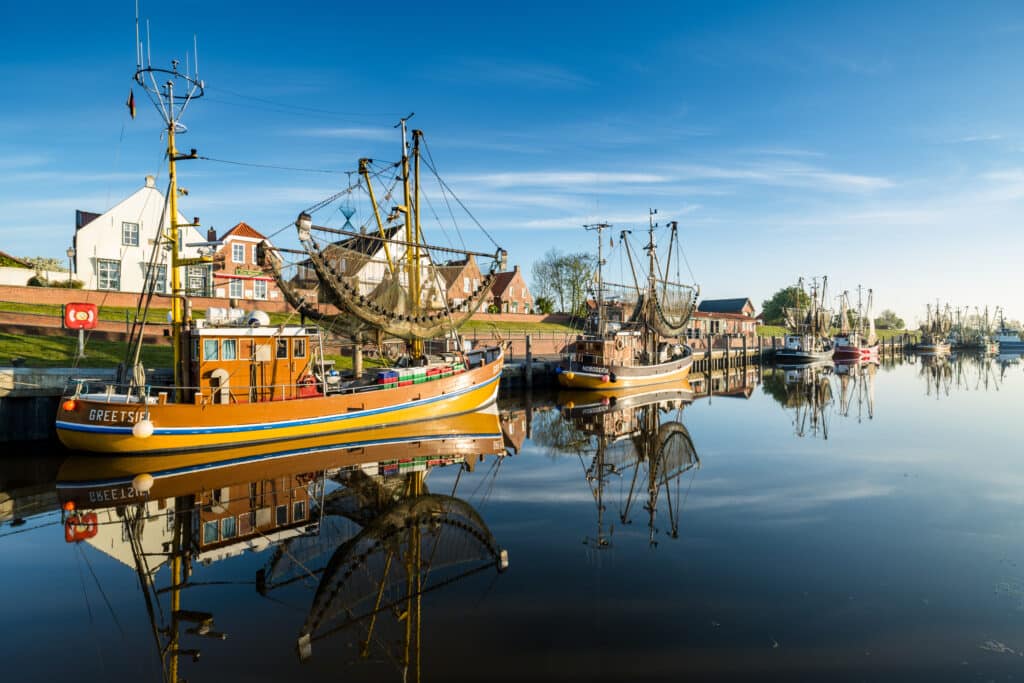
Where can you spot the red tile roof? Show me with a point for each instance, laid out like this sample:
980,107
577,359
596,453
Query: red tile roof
243,230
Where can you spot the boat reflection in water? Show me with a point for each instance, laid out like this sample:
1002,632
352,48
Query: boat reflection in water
637,437
977,371
807,389
937,371
857,386
355,518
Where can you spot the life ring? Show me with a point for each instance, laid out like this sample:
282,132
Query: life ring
619,344
618,426
80,527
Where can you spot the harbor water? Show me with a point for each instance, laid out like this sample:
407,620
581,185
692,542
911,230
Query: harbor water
829,523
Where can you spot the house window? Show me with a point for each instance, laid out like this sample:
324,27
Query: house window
229,349
298,348
299,510
259,289
255,254
159,280
715,326
211,532
465,285
515,306
235,289
238,253
130,234
476,284
282,348
210,349
198,280
109,274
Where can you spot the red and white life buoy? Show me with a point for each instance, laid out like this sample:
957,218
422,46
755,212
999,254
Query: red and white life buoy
77,528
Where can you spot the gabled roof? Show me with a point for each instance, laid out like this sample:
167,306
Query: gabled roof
243,229
367,244
13,261
502,281
724,305
451,270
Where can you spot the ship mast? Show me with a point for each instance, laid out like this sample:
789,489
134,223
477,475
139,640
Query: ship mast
600,228
651,337
171,105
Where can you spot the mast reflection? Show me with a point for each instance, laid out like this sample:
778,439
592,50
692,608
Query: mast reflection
807,390
638,438
355,516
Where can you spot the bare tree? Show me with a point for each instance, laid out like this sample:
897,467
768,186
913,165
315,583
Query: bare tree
563,278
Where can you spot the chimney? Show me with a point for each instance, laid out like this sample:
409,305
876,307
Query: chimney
211,235
150,181
515,269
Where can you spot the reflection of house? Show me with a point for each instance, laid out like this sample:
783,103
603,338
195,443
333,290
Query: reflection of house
113,249
236,270
510,293
513,429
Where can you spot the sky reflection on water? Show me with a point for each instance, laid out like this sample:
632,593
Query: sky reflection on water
889,550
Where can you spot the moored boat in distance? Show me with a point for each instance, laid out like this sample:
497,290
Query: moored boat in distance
238,380
856,342
809,323
935,331
1009,339
643,347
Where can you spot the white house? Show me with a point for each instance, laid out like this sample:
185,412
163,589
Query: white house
113,249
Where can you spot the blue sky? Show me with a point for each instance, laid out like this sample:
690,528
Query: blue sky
879,144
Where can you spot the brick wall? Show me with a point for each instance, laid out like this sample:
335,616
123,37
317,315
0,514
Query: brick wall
57,295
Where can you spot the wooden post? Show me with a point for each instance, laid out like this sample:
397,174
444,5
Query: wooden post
529,363
744,350
357,355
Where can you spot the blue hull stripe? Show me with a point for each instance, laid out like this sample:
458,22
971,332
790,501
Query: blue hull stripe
263,426
346,445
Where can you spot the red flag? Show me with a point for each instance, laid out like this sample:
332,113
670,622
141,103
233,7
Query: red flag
131,103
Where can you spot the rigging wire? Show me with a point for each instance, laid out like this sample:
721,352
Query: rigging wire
271,166
433,167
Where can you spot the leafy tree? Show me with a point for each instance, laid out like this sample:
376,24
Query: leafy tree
773,310
544,305
563,279
888,320
47,263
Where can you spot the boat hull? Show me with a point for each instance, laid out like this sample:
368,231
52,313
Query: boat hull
798,357
856,353
101,426
933,349
617,378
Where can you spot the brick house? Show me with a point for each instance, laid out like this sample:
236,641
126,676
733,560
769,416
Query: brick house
461,279
733,318
510,293
236,271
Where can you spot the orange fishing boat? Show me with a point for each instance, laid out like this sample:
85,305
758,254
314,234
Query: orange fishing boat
240,380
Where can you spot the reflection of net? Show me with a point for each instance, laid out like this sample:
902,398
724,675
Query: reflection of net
296,557
436,538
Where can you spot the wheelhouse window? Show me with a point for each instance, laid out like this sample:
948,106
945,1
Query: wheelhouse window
130,234
228,529
238,253
282,515
259,289
229,349
282,348
108,274
298,348
235,289
299,511
210,349
211,532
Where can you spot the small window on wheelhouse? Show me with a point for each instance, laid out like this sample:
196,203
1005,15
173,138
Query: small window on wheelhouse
298,348
211,349
282,348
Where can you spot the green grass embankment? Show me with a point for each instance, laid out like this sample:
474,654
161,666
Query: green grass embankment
779,331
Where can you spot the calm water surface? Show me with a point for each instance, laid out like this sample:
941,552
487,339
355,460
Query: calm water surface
820,525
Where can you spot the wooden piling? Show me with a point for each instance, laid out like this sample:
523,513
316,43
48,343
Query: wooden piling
529,363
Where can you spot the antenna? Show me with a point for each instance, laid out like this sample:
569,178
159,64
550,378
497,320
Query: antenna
138,44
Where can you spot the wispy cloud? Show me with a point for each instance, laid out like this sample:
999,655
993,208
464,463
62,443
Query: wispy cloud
574,222
784,174
560,178
16,161
975,138
528,74
346,133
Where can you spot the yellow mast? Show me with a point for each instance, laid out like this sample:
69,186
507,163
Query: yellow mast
364,170
416,135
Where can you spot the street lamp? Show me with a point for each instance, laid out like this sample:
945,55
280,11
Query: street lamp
71,257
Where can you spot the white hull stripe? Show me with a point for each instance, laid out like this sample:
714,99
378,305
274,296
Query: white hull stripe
163,474
264,426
